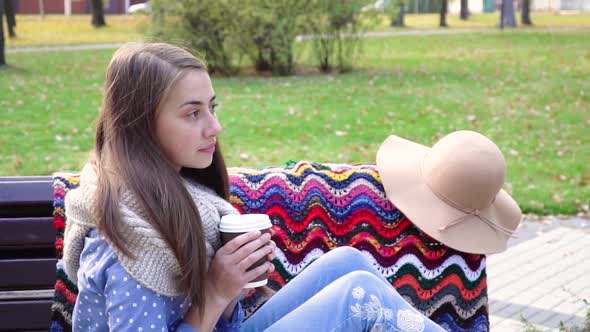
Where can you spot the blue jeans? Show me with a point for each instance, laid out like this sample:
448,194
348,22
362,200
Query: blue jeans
340,291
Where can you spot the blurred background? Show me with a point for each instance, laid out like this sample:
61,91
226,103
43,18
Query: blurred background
321,80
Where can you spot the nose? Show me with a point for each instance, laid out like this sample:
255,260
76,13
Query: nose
213,128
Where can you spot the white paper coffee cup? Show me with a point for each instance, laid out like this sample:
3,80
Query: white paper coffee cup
233,225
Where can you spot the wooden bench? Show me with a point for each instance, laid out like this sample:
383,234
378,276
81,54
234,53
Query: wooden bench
27,254
305,204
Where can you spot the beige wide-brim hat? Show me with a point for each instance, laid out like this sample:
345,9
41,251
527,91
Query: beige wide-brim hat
452,191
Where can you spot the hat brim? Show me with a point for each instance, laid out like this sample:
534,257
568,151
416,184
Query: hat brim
399,163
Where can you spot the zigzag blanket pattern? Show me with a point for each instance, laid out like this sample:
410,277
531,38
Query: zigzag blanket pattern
315,208
66,292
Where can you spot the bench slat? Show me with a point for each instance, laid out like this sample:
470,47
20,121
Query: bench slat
25,315
27,232
20,274
43,294
26,196
25,190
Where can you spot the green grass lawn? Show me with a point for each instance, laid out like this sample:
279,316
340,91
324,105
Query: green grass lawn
33,30
529,92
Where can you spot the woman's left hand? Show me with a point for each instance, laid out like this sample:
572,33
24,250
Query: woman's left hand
272,255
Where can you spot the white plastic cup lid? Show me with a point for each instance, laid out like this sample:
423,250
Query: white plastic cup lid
241,223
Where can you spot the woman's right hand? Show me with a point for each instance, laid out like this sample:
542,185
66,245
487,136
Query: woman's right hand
227,273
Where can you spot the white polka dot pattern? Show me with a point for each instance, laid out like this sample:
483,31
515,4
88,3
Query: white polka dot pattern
113,300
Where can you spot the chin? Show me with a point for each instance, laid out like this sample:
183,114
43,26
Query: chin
200,164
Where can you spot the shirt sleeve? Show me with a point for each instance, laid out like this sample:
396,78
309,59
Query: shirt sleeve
123,304
132,307
224,325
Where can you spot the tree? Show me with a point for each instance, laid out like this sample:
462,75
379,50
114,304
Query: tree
464,9
397,12
525,14
42,8
443,13
507,14
2,61
97,14
10,19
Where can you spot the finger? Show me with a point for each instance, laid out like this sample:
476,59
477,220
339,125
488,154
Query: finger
256,272
272,254
254,257
237,242
249,248
273,244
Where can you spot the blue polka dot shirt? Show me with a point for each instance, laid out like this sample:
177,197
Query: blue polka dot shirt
110,299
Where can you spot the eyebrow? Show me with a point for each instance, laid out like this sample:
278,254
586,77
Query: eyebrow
195,102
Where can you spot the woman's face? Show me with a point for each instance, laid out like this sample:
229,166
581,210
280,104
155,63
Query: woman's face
186,124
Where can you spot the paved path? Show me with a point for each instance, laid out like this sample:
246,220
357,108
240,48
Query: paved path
63,48
429,32
543,277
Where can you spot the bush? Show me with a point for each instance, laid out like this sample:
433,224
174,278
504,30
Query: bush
268,29
337,28
262,30
200,25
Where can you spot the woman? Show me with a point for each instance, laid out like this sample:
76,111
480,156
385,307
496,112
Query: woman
142,240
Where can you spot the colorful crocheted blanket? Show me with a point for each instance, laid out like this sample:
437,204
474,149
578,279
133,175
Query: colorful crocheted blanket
315,208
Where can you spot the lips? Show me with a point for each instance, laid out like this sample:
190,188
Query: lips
209,149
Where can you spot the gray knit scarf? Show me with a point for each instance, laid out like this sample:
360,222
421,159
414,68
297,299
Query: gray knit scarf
155,265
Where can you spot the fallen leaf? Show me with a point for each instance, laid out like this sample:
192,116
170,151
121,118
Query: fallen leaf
340,133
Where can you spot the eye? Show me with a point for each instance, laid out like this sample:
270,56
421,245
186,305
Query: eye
214,108
194,113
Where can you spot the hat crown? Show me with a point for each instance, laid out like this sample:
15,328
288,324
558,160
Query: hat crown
465,168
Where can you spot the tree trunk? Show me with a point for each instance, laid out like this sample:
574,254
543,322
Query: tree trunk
2,61
525,14
507,14
443,14
399,20
10,18
97,14
42,8
464,9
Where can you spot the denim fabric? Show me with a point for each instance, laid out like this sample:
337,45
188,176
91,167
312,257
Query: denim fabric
340,291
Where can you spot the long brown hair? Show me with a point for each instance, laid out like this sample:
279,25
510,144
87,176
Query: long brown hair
128,157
